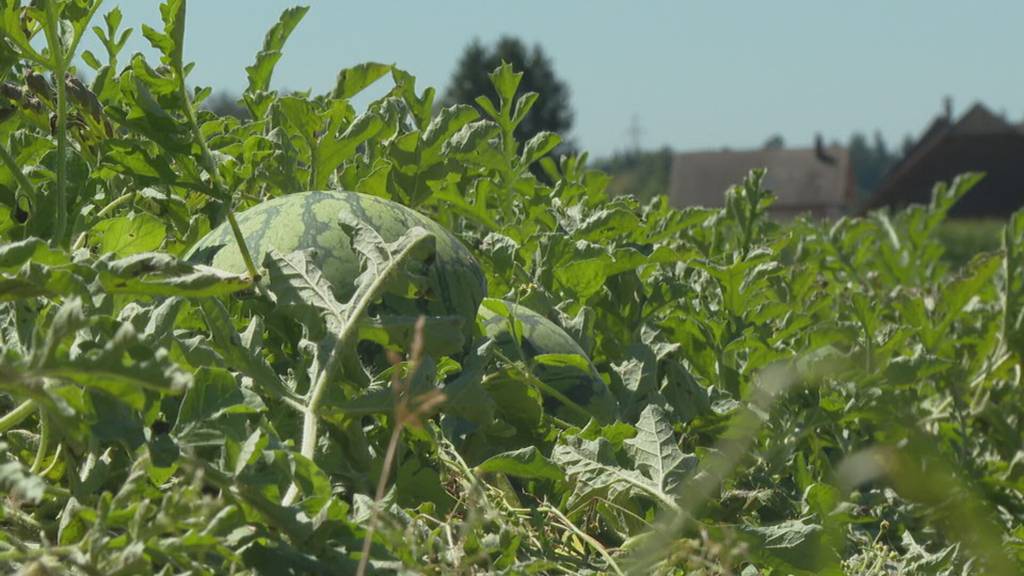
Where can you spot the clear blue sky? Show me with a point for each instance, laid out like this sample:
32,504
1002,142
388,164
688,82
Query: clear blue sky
696,74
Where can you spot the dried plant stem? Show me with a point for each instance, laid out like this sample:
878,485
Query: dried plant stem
382,483
405,413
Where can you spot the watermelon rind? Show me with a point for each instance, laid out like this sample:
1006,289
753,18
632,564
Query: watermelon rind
542,336
312,220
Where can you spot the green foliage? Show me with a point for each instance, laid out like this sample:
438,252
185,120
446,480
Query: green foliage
798,399
962,239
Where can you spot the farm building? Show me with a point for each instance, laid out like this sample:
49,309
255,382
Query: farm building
979,141
817,181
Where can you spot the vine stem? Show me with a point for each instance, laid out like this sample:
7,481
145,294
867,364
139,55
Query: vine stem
123,198
59,70
314,163
120,200
23,182
60,60
44,443
17,416
210,164
593,542
333,368
57,454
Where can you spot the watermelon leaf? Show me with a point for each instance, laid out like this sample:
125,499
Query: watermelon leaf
592,471
208,412
301,290
15,254
352,81
260,72
523,463
656,453
246,360
158,274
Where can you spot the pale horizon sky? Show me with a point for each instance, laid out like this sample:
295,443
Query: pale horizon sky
696,74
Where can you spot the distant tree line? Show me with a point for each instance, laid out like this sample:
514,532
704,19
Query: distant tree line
225,104
872,160
642,174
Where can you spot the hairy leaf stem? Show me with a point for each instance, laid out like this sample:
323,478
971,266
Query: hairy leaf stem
24,184
593,542
44,442
210,165
17,416
60,59
333,368
59,70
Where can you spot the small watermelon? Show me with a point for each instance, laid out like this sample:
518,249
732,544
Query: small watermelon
311,220
542,336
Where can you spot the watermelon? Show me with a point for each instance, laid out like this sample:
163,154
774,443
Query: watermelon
542,336
311,220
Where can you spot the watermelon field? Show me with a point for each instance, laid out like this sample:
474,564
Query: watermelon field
393,339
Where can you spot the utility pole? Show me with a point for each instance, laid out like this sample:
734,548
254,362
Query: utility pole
634,132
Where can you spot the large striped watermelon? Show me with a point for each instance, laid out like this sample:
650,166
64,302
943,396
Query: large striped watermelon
542,336
312,220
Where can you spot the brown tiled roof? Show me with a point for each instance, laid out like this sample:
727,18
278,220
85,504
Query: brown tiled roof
979,141
981,120
801,179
